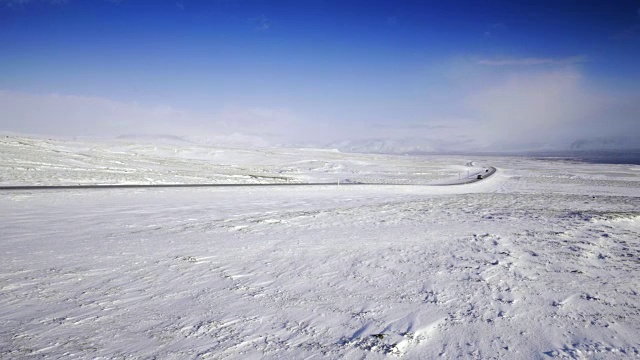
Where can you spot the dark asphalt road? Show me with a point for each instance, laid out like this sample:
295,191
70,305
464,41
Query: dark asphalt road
469,180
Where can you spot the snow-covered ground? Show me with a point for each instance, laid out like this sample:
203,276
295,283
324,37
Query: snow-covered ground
44,161
541,260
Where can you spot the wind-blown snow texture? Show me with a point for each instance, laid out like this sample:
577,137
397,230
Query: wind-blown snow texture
55,162
541,260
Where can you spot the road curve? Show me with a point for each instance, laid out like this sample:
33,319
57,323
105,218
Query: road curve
468,180
471,178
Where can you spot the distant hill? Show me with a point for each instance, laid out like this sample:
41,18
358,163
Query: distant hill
384,146
606,143
152,137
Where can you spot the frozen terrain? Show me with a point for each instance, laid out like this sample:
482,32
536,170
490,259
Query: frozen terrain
129,161
540,260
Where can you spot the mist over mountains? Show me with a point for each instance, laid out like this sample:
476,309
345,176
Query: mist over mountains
606,143
619,149
416,145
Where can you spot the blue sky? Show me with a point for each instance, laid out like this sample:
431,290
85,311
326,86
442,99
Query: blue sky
450,74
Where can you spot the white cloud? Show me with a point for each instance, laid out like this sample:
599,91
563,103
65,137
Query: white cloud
513,107
550,107
271,122
20,3
71,115
262,23
285,126
532,61
56,114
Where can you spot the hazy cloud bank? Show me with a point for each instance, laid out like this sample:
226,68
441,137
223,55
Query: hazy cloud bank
72,115
56,114
549,108
533,61
523,109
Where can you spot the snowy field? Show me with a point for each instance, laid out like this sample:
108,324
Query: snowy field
540,260
172,161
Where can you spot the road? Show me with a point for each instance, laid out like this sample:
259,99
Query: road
468,180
